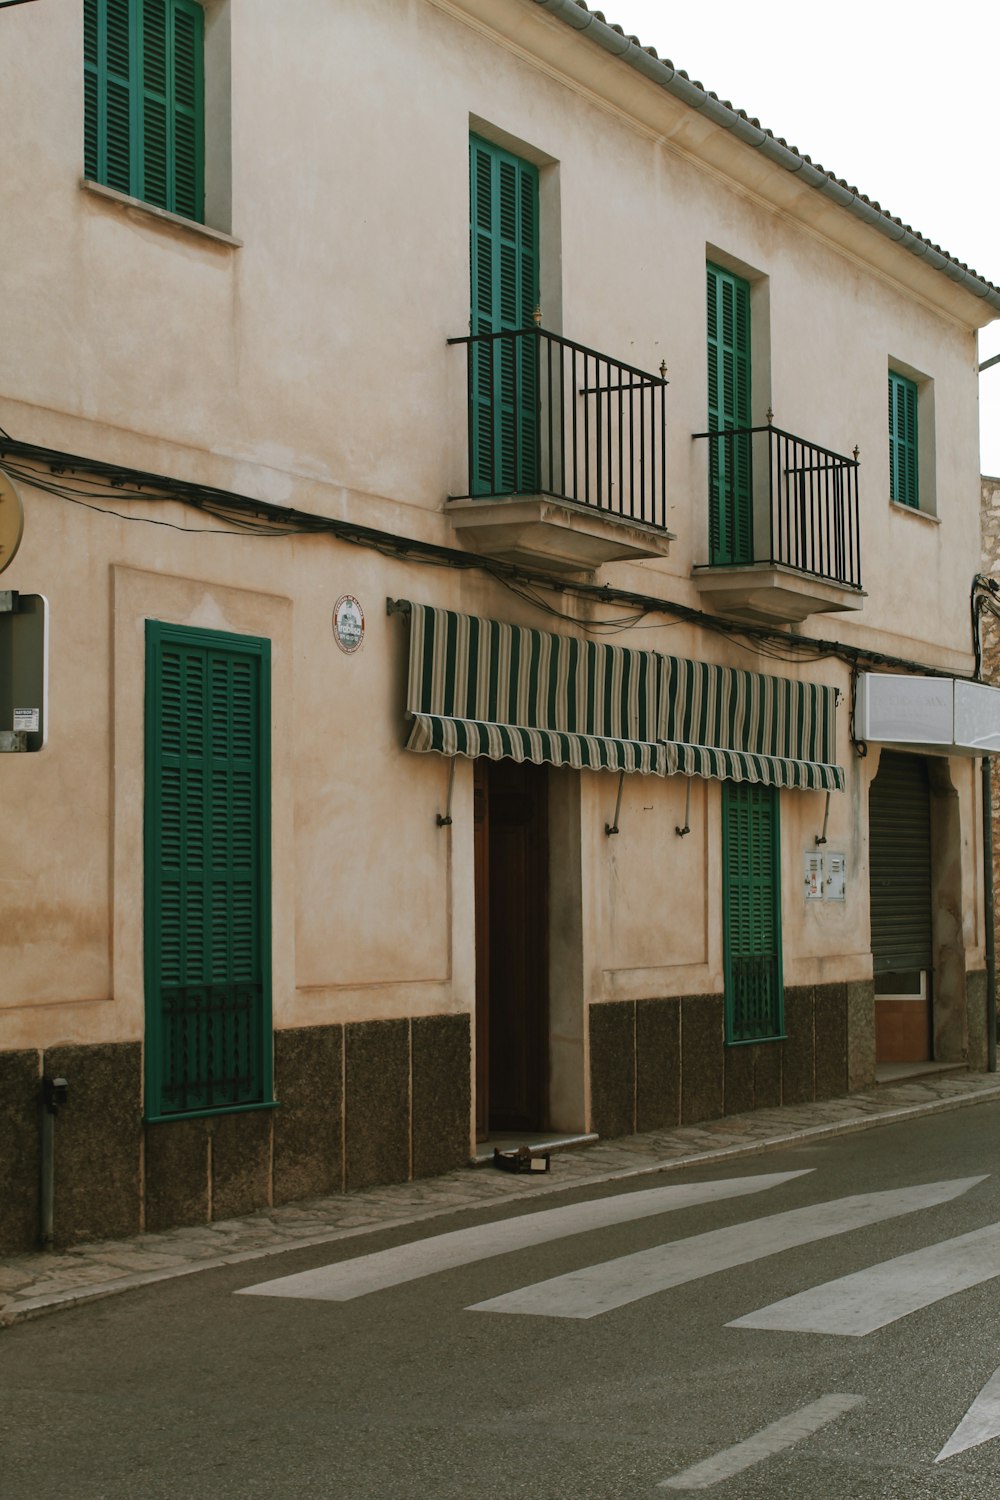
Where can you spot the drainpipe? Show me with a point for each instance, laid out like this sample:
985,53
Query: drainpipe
991,959
54,1091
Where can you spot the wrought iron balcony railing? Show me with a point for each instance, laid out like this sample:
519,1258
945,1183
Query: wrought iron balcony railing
547,416
811,518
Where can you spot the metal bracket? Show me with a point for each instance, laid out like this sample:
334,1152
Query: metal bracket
610,828
821,837
445,822
682,832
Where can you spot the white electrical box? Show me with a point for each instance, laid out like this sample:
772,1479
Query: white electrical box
835,888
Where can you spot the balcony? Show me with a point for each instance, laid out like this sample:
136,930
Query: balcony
783,528
566,454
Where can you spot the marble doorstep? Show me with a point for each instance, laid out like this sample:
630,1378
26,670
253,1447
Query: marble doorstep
38,1284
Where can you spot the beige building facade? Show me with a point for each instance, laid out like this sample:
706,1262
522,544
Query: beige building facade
461,522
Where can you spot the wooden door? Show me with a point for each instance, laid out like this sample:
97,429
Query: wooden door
511,946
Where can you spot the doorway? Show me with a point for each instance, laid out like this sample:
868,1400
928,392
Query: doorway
899,814
512,957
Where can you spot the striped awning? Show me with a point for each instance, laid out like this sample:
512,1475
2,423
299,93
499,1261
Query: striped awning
745,726
485,688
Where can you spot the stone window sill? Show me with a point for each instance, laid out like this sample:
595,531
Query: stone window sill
158,216
912,510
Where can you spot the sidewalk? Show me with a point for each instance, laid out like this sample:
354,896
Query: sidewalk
32,1285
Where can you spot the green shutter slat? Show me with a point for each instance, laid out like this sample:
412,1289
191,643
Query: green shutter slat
504,268
187,120
904,482
730,482
751,912
207,872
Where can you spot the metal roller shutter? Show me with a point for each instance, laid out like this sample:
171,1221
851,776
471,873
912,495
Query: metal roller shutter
900,868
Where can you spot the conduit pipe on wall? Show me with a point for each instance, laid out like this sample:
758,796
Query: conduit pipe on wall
990,918
54,1092
753,134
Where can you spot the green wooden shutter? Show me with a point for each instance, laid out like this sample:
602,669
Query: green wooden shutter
904,483
730,490
504,265
751,912
144,100
207,872
109,41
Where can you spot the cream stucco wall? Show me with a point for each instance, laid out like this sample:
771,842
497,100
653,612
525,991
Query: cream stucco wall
300,358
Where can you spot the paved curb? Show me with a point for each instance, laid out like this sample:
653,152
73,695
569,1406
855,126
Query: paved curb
507,1190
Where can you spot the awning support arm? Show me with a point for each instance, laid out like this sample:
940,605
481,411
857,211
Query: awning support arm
445,822
680,832
610,828
821,837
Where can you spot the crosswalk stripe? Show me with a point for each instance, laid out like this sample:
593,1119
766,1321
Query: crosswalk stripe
597,1289
442,1252
774,1438
858,1304
980,1423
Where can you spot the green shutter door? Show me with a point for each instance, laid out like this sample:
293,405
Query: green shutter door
730,492
899,824
504,260
207,878
903,470
751,912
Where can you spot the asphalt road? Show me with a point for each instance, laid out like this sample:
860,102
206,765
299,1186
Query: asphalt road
602,1365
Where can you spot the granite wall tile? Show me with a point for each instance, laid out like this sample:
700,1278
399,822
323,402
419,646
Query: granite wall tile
830,1002
241,1163
98,1141
177,1170
20,1135
768,1063
612,1068
798,1066
377,1102
308,1123
860,1034
975,1004
702,1057
739,1078
657,1064
442,1092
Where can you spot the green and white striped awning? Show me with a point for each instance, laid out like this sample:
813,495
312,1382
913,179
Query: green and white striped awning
481,687
744,726
486,688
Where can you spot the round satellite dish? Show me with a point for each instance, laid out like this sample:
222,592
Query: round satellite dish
11,519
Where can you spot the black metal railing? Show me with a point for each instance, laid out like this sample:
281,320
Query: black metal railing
548,416
811,523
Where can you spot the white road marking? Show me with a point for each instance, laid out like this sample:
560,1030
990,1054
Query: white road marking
764,1444
597,1289
980,1423
858,1304
462,1247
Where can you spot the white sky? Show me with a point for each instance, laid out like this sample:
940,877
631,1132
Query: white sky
900,102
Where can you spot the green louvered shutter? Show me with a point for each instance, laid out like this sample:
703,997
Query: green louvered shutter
751,912
144,100
109,40
207,872
730,492
904,483
504,261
